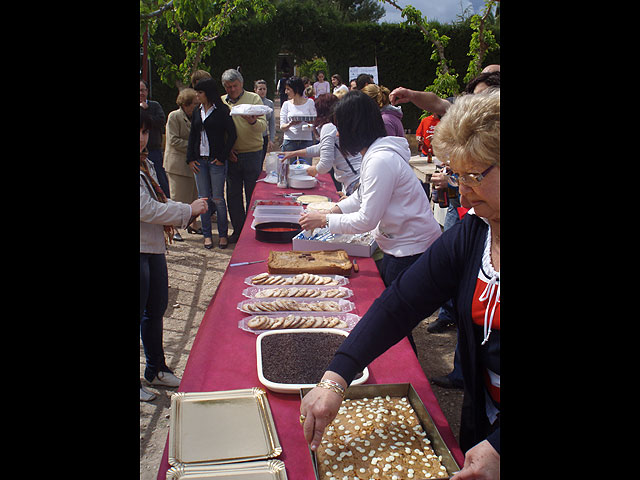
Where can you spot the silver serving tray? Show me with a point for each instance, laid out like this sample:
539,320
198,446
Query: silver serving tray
260,470
211,428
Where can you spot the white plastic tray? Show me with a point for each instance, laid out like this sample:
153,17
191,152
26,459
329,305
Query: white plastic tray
295,387
252,292
351,320
344,306
338,278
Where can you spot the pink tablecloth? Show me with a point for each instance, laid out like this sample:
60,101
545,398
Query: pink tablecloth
223,357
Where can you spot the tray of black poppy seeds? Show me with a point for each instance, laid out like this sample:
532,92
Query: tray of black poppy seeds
289,360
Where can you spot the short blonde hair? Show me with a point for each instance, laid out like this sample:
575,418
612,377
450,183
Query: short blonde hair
469,133
340,93
378,92
186,97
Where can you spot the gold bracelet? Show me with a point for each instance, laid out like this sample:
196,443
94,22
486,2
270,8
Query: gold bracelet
333,386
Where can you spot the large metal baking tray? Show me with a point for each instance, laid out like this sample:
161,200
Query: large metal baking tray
211,428
400,390
260,470
295,387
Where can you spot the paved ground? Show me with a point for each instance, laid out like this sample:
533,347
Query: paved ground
194,275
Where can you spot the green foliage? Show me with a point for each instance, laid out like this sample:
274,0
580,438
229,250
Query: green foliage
310,29
310,67
198,24
482,41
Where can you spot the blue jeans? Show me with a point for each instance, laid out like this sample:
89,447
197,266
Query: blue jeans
291,145
243,173
391,268
210,182
154,297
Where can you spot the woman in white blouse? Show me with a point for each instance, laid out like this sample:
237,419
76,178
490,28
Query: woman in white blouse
297,133
390,200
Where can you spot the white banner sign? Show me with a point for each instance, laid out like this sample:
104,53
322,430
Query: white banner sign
355,71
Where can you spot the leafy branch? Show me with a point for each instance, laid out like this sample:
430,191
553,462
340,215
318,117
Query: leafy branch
445,84
198,24
482,41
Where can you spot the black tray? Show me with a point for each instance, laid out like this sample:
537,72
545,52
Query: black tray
264,235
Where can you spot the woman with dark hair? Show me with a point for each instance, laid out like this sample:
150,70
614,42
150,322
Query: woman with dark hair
158,216
338,86
297,133
211,138
346,170
390,200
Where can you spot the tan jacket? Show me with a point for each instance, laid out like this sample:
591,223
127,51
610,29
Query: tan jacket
175,151
154,215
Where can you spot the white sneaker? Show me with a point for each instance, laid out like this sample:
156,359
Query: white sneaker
165,379
146,395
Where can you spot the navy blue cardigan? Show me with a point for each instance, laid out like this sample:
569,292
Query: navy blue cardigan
448,269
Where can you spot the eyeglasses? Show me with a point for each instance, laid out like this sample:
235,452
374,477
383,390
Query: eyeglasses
469,179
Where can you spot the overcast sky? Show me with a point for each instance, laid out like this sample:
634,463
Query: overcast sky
444,11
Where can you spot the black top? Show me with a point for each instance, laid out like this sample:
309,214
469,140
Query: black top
220,130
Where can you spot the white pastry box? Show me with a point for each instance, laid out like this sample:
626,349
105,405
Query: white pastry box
356,245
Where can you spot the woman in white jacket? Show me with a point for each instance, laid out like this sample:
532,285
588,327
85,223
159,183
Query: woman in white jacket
390,200
158,216
345,170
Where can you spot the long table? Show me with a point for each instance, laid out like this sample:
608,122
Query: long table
223,357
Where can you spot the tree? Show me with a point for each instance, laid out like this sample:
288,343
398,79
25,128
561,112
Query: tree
445,83
197,23
359,10
482,41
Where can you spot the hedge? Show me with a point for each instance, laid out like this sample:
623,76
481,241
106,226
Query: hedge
401,52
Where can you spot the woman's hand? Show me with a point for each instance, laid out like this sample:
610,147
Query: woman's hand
293,153
199,206
481,462
311,220
440,180
313,171
319,407
194,166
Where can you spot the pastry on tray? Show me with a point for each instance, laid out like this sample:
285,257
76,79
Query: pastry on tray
264,322
328,262
377,438
300,279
